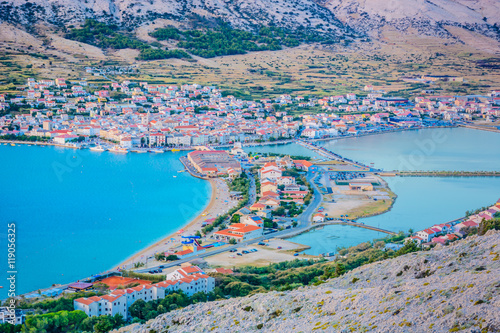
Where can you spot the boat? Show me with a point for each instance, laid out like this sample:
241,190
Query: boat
140,151
98,148
118,149
157,151
13,144
175,176
175,149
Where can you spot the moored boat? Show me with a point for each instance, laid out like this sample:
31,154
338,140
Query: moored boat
98,148
118,149
175,149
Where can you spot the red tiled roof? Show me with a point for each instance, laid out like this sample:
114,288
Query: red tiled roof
227,233
86,301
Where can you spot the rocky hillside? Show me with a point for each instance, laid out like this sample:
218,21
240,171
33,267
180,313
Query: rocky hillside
426,17
448,289
333,16
131,13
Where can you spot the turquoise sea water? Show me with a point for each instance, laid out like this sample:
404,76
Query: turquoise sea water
425,149
78,212
422,201
332,237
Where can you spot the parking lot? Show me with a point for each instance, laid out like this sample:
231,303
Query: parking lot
263,255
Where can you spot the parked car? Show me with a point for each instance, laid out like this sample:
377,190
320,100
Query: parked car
239,254
279,247
261,243
233,250
245,252
296,254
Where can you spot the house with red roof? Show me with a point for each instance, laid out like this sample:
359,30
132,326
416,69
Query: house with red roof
258,206
239,232
184,272
427,235
302,164
318,217
468,223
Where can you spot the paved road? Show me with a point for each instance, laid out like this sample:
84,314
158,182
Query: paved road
252,195
304,221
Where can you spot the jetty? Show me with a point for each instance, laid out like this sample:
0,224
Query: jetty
337,222
483,128
334,156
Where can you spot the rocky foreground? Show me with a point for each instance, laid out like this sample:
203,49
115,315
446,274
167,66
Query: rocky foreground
450,288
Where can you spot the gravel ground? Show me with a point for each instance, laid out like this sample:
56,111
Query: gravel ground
450,288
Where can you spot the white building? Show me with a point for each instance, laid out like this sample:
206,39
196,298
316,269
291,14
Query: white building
62,139
102,305
11,316
190,280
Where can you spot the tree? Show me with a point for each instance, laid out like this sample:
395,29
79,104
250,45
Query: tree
9,328
235,218
339,269
232,241
484,226
409,247
160,256
280,211
172,257
139,309
101,287
103,325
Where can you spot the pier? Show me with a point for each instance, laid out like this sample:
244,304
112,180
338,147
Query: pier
482,128
337,222
333,156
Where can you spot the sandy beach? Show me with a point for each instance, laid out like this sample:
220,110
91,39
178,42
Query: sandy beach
220,203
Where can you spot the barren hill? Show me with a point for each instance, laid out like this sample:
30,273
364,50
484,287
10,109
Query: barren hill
450,288
331,16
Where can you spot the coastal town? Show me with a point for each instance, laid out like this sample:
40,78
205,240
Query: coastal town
137,116
258,200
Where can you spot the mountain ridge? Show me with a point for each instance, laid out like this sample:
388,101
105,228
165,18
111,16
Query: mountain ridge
337,17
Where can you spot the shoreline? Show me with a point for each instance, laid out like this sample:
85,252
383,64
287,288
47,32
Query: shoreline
151,249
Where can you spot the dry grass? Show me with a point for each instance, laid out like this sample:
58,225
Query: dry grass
305,70
369,209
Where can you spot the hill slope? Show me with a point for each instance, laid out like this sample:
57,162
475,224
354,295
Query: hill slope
334,16
449,288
